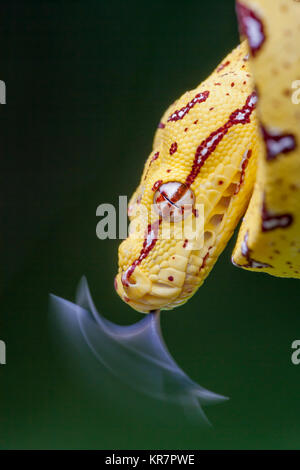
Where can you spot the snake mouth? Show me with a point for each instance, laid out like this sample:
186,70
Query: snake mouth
174,283
145,295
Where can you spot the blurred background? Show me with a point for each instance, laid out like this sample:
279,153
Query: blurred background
87,82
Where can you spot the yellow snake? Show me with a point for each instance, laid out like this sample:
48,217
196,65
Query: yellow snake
231,147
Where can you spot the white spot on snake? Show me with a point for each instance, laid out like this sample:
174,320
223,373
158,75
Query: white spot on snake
270,224
275,148
255,35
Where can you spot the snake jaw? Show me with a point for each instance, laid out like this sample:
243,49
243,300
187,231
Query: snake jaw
158,281
144,295
165,282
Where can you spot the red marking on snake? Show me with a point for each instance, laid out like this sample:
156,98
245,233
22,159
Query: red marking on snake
244,164
173,148
218,84
246,252
155,157
251,26
180,113
277,143
160,198
161,125
195,212
204,261
271,221
156,185
222,66
171,278
185,243
208,146
150,239
232,84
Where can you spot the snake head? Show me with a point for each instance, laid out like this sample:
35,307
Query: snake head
195,187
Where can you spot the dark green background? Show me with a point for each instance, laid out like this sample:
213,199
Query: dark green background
87,82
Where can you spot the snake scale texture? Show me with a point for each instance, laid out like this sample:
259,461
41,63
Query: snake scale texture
231,148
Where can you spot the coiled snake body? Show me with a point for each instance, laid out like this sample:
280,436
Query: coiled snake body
230,146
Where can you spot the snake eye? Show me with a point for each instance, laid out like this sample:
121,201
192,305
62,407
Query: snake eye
174,201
